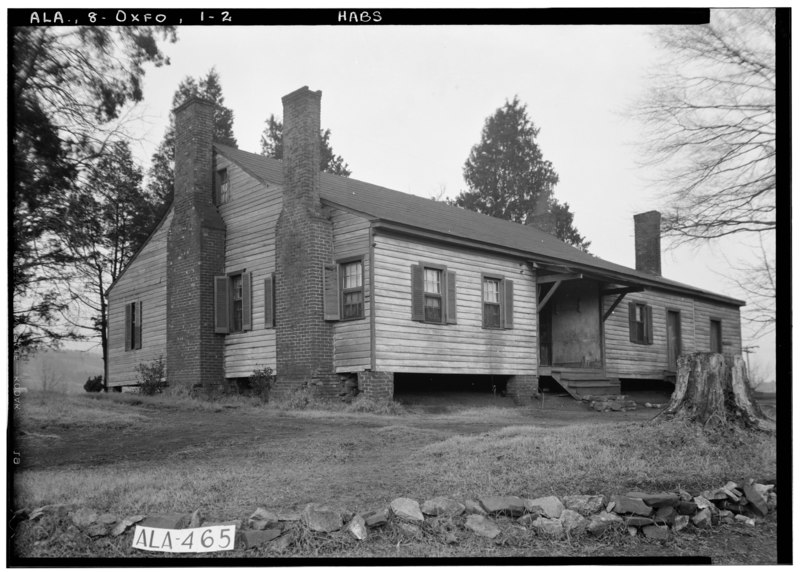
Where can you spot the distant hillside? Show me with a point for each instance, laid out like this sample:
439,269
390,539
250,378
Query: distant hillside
64,371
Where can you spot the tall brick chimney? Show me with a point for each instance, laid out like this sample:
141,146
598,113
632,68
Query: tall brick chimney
647,233
304,244
195,253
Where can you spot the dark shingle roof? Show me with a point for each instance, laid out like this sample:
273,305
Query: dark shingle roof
414,212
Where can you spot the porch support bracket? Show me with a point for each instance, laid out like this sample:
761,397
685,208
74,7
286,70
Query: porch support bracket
549,295
550,278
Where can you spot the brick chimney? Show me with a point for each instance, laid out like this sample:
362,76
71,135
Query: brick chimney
304,244
195,253
647,232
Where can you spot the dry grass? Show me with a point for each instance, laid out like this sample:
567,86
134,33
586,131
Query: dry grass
43,410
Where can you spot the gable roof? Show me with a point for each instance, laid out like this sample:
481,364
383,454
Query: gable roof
418,215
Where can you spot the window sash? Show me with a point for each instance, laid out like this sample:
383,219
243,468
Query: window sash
491,315
236,303
223,186
352,290
433,307
433,281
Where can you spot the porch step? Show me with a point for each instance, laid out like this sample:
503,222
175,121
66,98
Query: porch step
586,382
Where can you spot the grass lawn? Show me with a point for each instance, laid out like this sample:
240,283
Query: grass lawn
128,455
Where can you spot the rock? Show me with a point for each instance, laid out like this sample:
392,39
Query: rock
627,505
407,509
655,500
482,526
548,527
702,502
84,517
763,490
585,505
377,518
684,495
772,501
758,504
647,404
687,508
734,507
283,542
633,531
321,518
126,523
610,506
410,530
97,530
573,522
262,519
681,522
656,532
439,506
616,406
745,520
197,519
107,518
506,505
473,507
450,537
358,527
237,523
288,516
527,519
665,515
716,494
726,517
551,506
255,538
599,523
702,519
638,521
172,520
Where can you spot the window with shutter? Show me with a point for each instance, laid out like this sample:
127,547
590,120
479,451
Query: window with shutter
233,303
128,326
133,326
640,323
433,294
352,289
330,292
497,297
137,339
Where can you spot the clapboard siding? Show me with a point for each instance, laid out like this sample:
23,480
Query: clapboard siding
250,215
629,360
145,281
403,345
351,339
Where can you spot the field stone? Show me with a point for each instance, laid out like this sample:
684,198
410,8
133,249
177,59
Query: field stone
528,518
639,521
549,527
358,527
656,532
633,531
407,509
97,530
627,505
551,506
172,520
573,522
377,518
702,519
288,516
585,505
283,542
745,520
438,506
665,515
482,526
506,505
255,538
684,495
126,523
716,494
686,507
321,518
107,518
262,518
726,517
681,522
599,523
197,519
772,501
410,530
655,499
84,517
757,502
473,507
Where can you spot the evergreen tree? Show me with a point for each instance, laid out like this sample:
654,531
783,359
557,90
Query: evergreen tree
272,146
509,178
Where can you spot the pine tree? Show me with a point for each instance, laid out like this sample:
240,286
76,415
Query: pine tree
272,146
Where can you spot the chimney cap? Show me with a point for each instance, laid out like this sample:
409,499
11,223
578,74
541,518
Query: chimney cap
647,214
301,92
194,99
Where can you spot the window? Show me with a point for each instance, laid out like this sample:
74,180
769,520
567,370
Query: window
498,302
715,343
223,186
640,320
433,294
233,303
133,326
352,290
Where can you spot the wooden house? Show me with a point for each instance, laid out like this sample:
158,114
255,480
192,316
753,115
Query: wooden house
268,263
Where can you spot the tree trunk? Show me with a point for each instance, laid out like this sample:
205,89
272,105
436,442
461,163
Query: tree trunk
714,388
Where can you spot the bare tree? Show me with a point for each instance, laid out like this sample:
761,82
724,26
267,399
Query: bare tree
710,125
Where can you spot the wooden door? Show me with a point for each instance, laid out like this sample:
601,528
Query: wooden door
673,339
716,336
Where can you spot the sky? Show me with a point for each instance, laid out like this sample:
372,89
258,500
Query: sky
406,104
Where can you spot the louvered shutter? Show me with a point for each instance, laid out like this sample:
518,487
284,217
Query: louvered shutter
221,305
127,327
417,294
247,301
648,324
330,298
451,298
632,321
508,304
137,340
269,301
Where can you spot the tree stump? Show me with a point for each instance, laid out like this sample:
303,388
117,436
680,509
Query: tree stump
714,388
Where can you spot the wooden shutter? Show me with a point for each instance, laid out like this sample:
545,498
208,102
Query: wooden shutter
137,333
330,288
648,324
127,327
632,321
417,294
247,301
508,304
269,301
221,305
451,304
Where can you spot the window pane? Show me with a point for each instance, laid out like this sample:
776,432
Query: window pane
352,275
433,281
491,291
353,306
236,293
433,309
491,315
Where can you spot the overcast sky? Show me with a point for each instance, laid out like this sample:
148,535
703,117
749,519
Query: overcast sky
406,104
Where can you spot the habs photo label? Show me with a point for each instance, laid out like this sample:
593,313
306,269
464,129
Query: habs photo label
204,539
